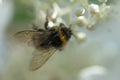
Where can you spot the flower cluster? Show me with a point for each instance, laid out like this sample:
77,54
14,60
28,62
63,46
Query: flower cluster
95,14
87,14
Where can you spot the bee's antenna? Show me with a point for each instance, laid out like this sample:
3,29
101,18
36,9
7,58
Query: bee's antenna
46,22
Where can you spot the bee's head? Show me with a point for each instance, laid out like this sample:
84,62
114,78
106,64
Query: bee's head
66,31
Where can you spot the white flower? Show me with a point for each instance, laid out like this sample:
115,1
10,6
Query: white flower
80,36
94,8
92,73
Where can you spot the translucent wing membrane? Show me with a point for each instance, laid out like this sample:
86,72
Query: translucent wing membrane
40,57
26,36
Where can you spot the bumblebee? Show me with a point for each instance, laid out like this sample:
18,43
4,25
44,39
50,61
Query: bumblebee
46,42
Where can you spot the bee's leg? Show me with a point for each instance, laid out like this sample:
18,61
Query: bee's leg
46,23
36,28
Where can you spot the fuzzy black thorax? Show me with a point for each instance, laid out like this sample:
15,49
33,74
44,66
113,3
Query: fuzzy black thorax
56,37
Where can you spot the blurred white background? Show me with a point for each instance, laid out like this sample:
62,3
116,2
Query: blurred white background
6,12
97,58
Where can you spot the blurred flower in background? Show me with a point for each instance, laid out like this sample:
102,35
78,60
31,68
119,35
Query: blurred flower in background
91,54
92,73
6,12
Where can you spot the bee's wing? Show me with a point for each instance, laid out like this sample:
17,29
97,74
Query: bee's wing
26,36
40,57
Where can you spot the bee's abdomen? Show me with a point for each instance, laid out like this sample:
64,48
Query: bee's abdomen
56,42
55,39
51,40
